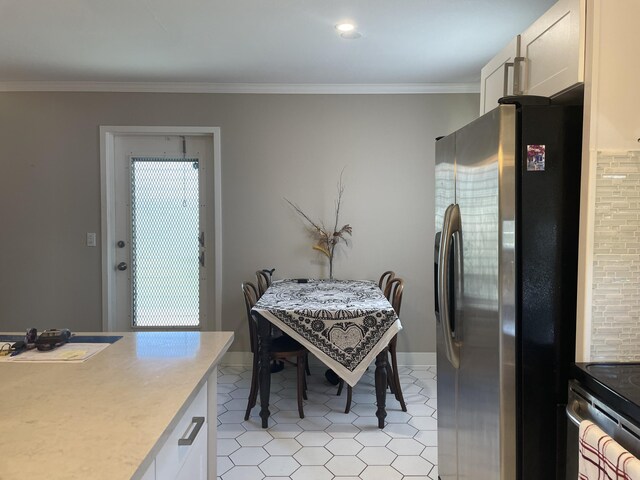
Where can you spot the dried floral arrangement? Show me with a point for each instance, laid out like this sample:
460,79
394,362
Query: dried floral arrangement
327,240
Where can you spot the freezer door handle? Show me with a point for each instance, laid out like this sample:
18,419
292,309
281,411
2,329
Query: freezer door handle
450,231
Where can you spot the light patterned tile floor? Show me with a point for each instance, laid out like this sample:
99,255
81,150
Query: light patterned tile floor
327,444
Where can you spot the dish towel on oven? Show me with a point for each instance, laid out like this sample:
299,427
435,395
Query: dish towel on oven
600,457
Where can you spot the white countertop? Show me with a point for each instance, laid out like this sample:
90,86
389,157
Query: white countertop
101,419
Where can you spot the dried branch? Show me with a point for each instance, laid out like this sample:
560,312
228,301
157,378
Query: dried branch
326,242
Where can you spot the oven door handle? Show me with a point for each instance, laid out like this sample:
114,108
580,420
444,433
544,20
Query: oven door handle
573,414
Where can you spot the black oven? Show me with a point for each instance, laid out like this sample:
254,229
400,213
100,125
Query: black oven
607,395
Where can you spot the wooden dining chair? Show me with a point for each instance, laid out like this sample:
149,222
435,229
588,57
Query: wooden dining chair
385,278
394,288
263,280
282,348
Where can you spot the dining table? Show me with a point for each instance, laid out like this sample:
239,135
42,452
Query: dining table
345,324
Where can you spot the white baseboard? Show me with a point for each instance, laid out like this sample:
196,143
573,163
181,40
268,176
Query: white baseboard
410,359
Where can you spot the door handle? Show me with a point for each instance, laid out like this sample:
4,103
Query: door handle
505,83
451,226
122,266
198,422
573,409
517,79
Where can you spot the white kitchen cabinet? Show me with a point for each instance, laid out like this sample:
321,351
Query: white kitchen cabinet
552,50
176,461
497,76
546,59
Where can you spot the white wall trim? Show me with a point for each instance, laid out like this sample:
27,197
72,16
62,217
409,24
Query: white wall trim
265,88
410,359
107,175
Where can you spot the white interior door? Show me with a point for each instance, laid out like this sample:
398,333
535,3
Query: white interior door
163,191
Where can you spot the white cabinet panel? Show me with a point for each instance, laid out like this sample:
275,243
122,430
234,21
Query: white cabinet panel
195,465
173,456
496,78
553,50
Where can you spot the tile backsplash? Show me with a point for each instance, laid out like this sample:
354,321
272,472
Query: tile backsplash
615,334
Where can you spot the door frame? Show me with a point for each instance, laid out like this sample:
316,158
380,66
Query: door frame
108,136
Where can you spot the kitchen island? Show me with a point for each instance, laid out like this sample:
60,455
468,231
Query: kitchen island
115,415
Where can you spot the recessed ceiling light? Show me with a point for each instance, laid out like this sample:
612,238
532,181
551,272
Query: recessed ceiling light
345,27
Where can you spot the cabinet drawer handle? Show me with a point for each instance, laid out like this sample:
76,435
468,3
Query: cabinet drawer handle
198,421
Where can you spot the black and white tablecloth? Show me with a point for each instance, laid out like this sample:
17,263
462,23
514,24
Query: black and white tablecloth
344,323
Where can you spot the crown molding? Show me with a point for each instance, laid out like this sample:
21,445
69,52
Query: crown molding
258,88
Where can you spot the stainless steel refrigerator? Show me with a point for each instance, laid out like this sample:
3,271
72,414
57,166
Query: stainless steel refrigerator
507,206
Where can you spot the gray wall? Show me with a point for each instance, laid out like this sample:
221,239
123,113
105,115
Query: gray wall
272,146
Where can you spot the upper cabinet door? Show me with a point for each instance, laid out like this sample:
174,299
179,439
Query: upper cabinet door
553,50
497,76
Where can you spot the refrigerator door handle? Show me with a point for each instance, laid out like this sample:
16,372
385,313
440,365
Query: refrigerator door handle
450,226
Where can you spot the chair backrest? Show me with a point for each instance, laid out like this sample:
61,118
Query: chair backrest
393,292
250,293
384,280
263,278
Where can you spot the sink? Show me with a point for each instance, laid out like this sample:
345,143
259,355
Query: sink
74,339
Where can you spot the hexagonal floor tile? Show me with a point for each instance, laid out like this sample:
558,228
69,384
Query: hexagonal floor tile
279,466
345,465
224,465
405,446
428,438
412,465
313,439
226,446
342,431
380,473
341,417
229,379
282,446
285,430
424,423
243,473
312,456
373,438
421,410
314,423
232,416
344,446
230,430
430,454
239,393
376,456
400,430
254,439
248,456
397,416
311,473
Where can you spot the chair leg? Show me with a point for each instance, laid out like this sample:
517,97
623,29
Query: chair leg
349,395
306,364
253,393
304,386
396,376
340,385
301,393
390,378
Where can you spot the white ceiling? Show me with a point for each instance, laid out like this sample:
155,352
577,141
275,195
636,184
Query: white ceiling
256,41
